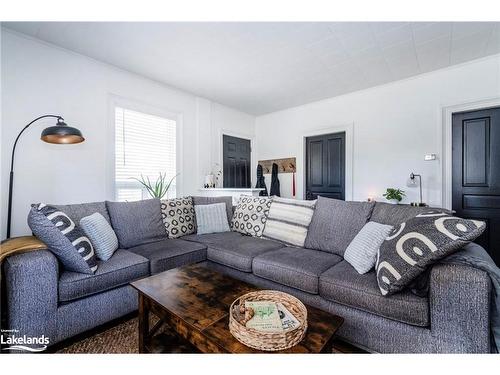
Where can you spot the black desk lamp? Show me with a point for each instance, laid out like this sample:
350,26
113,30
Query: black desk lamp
60,133
413,183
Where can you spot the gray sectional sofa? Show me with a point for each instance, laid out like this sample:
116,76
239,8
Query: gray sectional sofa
453,317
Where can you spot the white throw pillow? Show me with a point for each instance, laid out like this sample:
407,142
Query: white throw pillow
211,218
289,220
362,251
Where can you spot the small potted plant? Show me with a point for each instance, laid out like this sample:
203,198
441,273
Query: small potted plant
394,196
158,188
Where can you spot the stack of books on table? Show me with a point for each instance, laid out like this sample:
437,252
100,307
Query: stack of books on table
270,316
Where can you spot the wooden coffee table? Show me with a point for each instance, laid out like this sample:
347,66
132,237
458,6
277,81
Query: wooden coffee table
194,302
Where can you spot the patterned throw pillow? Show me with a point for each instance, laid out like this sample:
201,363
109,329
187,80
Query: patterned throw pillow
413,246
101,235
178,216
63,238
250,215
288,220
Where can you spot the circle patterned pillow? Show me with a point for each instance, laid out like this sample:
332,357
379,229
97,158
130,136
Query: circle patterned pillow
250,215
418,243
178,216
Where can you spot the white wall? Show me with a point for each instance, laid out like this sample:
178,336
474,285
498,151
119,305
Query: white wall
38,78
395,125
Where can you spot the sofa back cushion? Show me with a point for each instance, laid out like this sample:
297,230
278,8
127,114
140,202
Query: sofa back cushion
78,211
136,223
63,238
395,214
335,223
228,200
289,220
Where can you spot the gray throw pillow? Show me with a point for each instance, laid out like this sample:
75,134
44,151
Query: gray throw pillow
178,216
63,237
335,223
101,235
250,215
137,223
362,251
211,218
418,243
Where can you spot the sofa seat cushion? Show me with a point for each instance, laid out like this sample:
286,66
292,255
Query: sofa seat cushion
171,253
342,284
294,267
122,268
233,249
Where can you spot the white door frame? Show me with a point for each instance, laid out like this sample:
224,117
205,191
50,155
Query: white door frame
446,135
349,156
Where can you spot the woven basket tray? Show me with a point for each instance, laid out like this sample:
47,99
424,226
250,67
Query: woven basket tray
270,341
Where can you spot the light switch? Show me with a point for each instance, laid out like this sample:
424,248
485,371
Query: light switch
429,157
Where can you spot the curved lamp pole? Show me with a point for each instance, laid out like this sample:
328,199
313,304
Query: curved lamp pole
60,133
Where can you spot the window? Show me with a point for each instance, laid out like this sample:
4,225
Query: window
144,144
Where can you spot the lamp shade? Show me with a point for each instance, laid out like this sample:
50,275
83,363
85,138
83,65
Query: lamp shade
61,133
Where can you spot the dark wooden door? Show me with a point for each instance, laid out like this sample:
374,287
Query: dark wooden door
325,166
476,172
236,162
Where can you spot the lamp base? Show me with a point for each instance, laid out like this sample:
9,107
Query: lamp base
416,204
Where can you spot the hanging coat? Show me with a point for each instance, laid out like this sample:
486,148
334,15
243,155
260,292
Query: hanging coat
261,183
275,183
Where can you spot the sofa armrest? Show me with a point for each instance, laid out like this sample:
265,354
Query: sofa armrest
460,298
31,284
19,245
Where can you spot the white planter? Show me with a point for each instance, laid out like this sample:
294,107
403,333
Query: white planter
393,201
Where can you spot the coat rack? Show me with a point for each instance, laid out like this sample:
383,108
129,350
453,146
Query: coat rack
286,165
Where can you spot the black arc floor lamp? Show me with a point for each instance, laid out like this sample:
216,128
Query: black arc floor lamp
60,133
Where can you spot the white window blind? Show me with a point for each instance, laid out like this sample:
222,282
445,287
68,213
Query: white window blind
144,144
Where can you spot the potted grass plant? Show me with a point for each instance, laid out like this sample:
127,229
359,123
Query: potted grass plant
157,188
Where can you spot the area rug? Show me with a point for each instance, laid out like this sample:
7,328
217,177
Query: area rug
124,339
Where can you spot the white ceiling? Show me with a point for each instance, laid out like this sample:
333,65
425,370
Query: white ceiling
264,67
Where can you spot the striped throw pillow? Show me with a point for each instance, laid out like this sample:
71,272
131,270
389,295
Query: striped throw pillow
362,251
101,234
289,220
211,218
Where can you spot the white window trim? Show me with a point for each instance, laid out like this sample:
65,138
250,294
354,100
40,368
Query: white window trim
118,101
